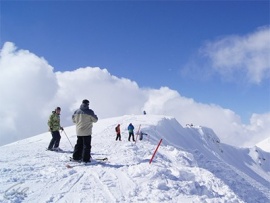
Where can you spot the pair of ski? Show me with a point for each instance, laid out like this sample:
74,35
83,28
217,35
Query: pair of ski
80,163
59,151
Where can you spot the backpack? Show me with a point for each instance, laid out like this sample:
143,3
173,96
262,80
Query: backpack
116,129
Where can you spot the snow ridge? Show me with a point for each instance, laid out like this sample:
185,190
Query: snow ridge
192,165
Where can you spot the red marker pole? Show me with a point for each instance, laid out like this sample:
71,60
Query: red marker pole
155,152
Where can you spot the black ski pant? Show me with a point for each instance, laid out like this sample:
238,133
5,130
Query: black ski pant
82,149
118,136
131,134
55,140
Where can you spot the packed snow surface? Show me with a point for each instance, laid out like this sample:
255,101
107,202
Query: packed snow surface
191,165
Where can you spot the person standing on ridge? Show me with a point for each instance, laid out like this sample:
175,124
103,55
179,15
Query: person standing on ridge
131,132
118,132
142,134
54,127
84,119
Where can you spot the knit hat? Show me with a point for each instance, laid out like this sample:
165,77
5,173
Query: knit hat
58,108
85,101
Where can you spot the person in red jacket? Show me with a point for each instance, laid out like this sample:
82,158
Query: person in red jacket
118,133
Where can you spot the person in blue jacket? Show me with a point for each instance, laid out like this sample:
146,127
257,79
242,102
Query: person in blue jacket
131,132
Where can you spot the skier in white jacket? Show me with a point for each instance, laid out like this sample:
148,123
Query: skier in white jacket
84,119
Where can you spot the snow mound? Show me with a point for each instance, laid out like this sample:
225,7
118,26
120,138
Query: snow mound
264,145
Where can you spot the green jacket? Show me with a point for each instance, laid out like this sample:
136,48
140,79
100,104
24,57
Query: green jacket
54,122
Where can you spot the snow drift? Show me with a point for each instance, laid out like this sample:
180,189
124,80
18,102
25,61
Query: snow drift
191,165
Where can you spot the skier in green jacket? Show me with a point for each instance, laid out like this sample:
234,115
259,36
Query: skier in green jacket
54,127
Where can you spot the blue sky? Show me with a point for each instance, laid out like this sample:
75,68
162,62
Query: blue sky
154,43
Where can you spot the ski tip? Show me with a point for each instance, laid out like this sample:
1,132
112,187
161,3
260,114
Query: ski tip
69,166
101,159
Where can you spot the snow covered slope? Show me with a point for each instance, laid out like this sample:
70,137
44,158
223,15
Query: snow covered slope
191,165
264,145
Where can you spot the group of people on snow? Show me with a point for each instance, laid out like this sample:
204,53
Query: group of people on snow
130,133
84,117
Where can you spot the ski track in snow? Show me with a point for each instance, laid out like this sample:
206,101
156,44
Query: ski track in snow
190,169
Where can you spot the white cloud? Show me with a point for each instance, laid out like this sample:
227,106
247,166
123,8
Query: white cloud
259,128
30,90
111,96
244,57
27,84
225,122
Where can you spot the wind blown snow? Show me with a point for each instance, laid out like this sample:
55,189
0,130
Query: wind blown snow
191,165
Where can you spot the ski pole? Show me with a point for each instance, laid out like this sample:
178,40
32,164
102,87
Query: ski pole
137,134
68,139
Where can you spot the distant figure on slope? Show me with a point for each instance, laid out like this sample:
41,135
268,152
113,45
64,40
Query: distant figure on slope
144,112
118,132
142,134
84,119
189,125
131,132
54,127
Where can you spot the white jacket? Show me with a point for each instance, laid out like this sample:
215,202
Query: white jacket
84,119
